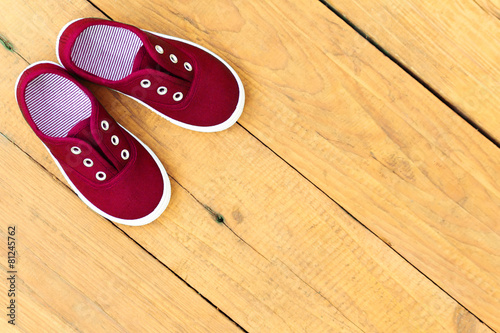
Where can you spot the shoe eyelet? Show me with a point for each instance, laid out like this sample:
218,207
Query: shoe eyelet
173,58
188,66
161,90
114,140
88,162
159,49
100,176
145,83
125,154
104,125
76,150
178,96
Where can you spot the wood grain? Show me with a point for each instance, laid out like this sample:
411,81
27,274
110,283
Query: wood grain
288,258
453,46
359,128
301,263
77,272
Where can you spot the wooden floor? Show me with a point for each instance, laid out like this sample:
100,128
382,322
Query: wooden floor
360,189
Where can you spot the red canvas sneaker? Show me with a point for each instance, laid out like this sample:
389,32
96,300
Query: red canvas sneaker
112,171
185,83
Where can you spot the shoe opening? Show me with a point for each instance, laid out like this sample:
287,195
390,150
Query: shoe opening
56,104
105,51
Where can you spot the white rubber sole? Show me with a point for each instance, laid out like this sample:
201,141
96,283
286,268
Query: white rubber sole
207,129
160,208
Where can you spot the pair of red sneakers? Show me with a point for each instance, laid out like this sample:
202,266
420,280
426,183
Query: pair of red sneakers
110,169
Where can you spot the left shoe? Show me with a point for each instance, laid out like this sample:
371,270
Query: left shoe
183,82
112,171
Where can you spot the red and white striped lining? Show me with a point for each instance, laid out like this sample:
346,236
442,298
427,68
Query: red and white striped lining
105,51
56,104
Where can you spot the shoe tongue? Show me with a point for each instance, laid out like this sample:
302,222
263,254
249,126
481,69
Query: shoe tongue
143,60
82,131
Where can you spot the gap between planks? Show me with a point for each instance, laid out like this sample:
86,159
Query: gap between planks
131,238
405,68
393,59
364,226
216,216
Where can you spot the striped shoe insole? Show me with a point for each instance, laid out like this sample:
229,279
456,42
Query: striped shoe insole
56,104
105,51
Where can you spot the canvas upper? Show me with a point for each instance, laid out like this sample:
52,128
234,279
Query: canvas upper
187,84
112,171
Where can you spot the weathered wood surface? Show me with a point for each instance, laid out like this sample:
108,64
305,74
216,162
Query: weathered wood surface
362,130
453,46
79,273
288,258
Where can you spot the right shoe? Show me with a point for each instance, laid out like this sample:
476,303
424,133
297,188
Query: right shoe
111,170
181,81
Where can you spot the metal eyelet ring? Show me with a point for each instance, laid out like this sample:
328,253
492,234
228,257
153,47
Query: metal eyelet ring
76,150
114,140
104,125
173,58
178,96
100,176
159,49
125,154
145,83
188,66
88,162
161,90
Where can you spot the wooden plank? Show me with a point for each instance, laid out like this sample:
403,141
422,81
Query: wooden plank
77,272
249,304
296,262
358,127
287,249
255,286
453,46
